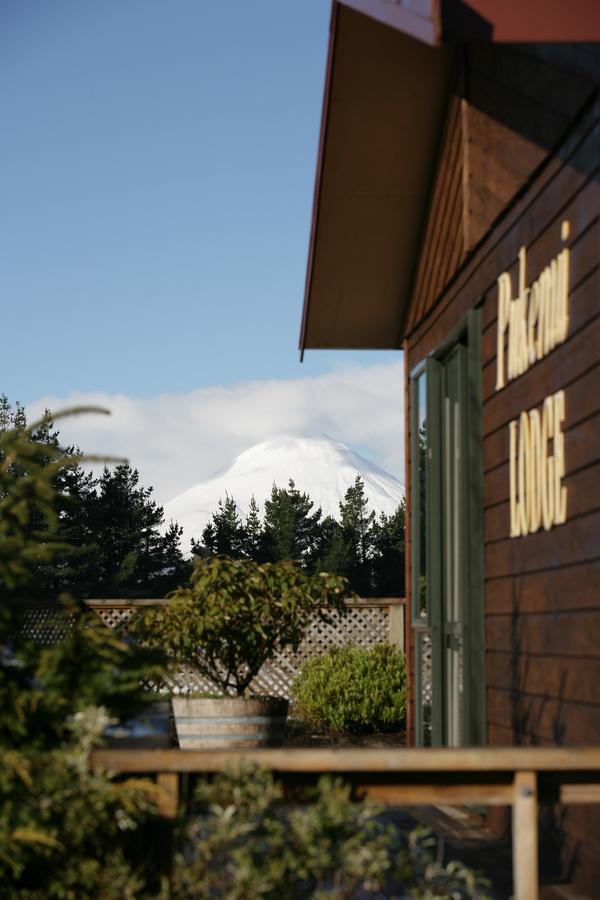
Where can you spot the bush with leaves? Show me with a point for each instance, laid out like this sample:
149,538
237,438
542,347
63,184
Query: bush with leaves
65,832
237,614
353,689
246,841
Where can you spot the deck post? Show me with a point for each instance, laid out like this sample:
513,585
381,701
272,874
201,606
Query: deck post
168,799
525,836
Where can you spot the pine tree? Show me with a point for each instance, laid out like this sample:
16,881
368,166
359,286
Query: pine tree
200,547
224,535
124,522
357,522
331,554
291,528
112,524
176,569
253,539
9,417
388,553
44,580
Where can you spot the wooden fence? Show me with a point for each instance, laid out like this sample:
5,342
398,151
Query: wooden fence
367,622
520,777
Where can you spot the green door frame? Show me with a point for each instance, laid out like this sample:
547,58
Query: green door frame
431,631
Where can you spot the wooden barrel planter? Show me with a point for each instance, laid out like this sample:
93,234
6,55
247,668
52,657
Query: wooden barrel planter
229,722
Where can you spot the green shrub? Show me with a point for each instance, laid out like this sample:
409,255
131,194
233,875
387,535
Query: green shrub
244,841
351,689
237,614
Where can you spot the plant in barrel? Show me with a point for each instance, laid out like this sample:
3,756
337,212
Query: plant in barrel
232,618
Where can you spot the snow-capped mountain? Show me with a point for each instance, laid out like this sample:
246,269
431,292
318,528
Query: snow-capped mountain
320,466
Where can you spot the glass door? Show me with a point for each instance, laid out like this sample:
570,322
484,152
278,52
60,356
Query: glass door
447,545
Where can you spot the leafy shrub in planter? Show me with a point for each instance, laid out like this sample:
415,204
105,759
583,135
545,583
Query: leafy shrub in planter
237,614
352,689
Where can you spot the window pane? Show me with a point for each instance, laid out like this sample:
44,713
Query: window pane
422,490
453,676
425,687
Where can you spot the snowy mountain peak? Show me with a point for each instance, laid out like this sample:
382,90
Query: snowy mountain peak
321,466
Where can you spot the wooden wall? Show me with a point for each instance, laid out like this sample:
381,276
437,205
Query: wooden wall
542,592
509,109
444,240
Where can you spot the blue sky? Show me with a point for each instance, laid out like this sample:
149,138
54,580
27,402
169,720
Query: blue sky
156,176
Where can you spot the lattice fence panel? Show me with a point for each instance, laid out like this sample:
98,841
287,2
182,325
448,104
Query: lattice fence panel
46,625
361,626
116,617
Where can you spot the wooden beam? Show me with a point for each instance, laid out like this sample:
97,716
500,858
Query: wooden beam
579,793
396,626
488,794
349,760
525,836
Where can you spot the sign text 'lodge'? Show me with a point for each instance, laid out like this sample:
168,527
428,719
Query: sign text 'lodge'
530,325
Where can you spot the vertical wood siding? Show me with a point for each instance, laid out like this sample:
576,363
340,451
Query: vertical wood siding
443,244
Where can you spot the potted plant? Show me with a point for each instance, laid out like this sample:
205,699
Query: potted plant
231,618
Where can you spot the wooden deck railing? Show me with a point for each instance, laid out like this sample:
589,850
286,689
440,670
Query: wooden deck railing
520,777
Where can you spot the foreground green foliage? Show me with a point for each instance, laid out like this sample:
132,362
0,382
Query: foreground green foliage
237,614
244,842
64,832
353,689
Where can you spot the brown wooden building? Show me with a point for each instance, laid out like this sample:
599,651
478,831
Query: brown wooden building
456,217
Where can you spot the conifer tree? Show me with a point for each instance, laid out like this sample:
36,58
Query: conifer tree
111,523
225,534
253,533
357,522
331,553
124,521
388,553
291,528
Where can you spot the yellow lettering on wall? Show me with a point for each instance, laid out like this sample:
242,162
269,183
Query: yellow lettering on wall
523,470
532,317
512,457
537,319
504,289
537,495
534,494
547,464
560,491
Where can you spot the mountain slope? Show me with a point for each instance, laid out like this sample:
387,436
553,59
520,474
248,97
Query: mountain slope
320,466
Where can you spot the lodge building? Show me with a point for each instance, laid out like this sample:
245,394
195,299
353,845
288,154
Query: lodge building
456,217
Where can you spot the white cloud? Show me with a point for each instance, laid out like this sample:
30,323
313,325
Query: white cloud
176,440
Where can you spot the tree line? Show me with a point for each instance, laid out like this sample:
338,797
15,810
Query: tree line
367,549
117,544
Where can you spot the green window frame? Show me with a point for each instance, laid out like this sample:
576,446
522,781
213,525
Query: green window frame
426,535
